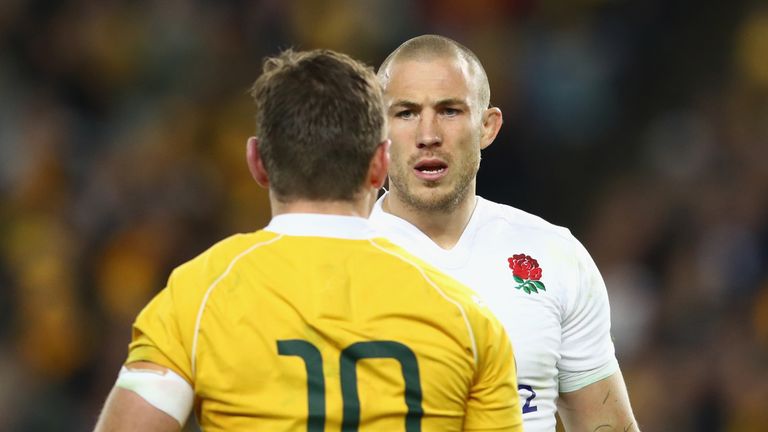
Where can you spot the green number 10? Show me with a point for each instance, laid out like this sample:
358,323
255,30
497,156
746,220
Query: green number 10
313,362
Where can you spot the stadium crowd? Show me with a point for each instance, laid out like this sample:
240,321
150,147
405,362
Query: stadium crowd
642,126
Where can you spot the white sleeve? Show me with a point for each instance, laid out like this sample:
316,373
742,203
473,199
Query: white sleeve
587,352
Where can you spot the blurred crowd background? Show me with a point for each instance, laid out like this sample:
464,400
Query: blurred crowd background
642,126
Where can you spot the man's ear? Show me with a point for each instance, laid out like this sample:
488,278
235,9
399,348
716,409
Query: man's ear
255,163
377,170
492,120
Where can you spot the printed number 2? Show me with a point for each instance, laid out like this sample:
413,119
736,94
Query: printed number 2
313,362
527,407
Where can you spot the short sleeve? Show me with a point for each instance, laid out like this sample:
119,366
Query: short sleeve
493,403
587,351
157,337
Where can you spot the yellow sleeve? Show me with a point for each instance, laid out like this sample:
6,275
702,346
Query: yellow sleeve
493,404
157,335
163,333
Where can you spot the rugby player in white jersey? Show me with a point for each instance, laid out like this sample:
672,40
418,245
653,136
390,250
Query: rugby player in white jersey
536,277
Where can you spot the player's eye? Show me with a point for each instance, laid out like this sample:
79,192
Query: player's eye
405,114
451,112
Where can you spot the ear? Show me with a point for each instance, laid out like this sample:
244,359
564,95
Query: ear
377,170
492,120
255,163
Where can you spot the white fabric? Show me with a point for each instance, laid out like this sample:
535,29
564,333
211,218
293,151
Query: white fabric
168,392
321,225
572,381
560,335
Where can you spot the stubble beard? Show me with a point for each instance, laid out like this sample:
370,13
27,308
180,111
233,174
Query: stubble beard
432,200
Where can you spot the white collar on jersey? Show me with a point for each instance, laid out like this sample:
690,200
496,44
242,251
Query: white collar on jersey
321,225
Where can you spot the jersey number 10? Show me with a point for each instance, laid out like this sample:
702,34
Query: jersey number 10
348,371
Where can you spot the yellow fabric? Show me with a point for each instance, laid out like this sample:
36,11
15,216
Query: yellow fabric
251,291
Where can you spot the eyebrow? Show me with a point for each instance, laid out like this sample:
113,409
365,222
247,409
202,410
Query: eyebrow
404,103
452,101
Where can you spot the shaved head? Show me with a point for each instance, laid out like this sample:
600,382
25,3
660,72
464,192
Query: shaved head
427,47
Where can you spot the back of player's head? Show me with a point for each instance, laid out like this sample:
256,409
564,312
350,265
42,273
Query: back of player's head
426,47
319,119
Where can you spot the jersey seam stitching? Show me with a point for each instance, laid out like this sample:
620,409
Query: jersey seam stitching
210,290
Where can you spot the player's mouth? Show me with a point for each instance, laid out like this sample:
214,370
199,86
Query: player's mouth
430,169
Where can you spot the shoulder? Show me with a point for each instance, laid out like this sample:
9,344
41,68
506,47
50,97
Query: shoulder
566,266
205,268
493,212
451,290
505,222
445,286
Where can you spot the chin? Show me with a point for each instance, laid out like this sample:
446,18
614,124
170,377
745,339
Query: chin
432,200
430,196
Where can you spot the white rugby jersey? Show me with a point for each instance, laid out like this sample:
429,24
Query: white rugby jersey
542,285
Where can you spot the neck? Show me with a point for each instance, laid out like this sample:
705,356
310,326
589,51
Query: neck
444,227
360,206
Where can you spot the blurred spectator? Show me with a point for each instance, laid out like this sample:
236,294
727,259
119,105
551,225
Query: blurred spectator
643,125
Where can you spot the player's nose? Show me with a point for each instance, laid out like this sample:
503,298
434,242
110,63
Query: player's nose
428,133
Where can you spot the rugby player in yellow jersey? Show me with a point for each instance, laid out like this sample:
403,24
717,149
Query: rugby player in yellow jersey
315,323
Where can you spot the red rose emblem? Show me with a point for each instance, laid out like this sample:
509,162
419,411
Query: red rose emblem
535,273
525,267
526,272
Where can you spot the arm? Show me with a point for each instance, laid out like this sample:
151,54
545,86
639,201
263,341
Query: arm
593,396
154,390
125,410
599,407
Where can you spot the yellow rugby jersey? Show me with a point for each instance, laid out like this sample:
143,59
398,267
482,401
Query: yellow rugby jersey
314,324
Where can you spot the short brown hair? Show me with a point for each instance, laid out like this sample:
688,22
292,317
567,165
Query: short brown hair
430,46
319,119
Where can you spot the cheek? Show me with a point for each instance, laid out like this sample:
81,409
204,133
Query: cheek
398,148
399,135
468,140
397,155
468,151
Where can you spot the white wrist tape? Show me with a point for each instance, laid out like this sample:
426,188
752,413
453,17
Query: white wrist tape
166,391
